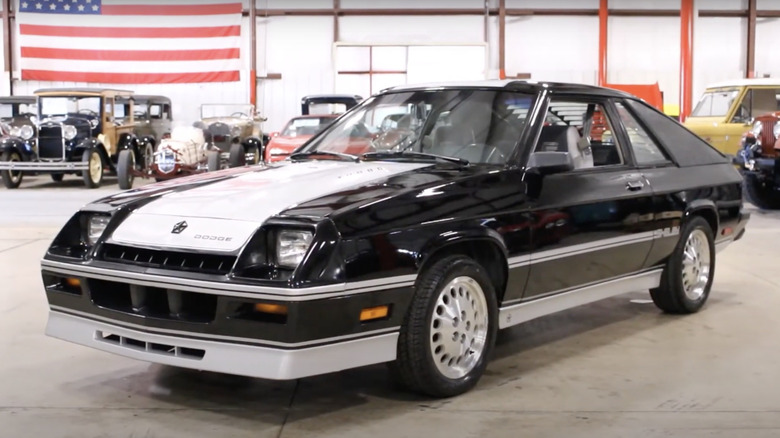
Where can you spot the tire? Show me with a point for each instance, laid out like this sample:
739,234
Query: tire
57,177
425,361
676,294
124,169
212,161
765,198
93,176
237,155
10,178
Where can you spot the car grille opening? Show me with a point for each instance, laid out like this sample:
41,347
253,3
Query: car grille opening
154,302
180,261
149,347
50,142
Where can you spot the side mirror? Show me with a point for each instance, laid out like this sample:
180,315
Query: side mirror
548,163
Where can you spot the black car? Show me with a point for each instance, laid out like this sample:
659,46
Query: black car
481,206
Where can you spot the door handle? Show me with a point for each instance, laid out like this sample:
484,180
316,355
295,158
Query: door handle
634,185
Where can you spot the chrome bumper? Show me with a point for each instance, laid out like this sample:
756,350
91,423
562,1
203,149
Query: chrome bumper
42,166
223,357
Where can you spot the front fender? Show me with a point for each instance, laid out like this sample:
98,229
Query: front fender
447,239
16,144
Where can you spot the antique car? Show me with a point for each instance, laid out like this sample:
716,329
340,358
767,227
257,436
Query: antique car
497,202
235,130
17,112
185,152
317,104
152,115
759,161
726,110
76,132
295,133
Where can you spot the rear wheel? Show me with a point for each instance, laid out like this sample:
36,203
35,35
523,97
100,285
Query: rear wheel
237,155
687,277
759,194
93,176
11,178
124,169
449,330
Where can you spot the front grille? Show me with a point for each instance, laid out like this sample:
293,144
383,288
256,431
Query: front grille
153,302
50,142
149,347
180,261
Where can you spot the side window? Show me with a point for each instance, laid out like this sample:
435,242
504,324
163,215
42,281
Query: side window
155,111
582,129
645,149
757,101
167,111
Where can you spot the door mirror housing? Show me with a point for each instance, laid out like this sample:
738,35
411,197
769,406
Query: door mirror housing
548,163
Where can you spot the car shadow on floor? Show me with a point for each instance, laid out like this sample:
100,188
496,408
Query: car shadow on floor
367,393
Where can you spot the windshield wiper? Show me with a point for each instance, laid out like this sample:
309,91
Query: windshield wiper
414,155
302,155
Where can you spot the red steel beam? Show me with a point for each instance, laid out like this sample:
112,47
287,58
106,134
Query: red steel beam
686,58
750,68
603,21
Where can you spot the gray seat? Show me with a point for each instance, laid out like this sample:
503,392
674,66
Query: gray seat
563,138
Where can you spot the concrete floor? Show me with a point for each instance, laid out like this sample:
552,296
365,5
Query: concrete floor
618,368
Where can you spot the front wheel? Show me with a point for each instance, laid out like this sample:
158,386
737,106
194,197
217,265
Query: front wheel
237,156
687,277
762,196
11,178
449,329
124,169
93,176
57,177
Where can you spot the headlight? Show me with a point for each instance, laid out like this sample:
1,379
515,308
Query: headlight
235,131
69,132
25,132
757,127
95,227
776,130
291,246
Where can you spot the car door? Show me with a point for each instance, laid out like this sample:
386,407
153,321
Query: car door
592,223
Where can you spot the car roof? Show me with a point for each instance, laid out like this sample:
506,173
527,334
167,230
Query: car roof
149,97
746,82
107,92
518,85
17,99
331,96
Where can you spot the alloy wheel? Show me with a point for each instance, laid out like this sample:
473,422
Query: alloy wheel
696,264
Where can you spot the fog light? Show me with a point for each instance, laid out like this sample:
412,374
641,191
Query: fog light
72,282
274,309
371,313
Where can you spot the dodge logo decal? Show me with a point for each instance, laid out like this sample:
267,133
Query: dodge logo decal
178,228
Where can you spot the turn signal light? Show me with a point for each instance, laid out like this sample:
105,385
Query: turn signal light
274,309
371,313
72,282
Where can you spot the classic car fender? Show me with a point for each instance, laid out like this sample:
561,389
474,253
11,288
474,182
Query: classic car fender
706,209
484,245
16,144
90,143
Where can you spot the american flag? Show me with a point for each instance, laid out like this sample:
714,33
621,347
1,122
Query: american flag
130,41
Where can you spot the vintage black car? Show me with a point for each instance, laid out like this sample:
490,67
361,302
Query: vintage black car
483,205
328,103
76,131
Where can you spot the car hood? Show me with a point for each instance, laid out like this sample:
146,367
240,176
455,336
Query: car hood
289,143
222,212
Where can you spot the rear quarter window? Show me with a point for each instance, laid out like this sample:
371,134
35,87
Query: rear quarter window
685,147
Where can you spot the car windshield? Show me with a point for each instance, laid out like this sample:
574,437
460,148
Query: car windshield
226,110
715,103
62,106
475,125
306,126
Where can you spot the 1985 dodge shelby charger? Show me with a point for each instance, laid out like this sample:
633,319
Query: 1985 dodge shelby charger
481,206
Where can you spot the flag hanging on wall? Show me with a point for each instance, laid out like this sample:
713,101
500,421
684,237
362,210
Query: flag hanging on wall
130,41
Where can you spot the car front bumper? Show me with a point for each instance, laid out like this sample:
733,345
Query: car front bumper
203,324
44,166
222,357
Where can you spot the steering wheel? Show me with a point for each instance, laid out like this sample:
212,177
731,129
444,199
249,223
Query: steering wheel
239,114
88,112
391,139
